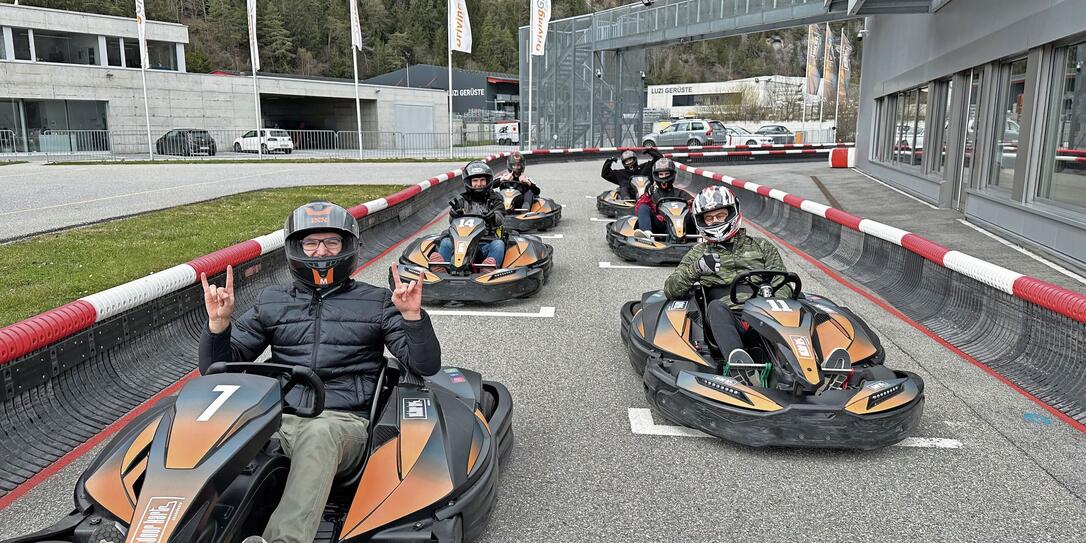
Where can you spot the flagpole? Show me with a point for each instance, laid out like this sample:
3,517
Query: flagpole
256,107
531,60
254,60
141,20
450,23
837,101
147,113
357,101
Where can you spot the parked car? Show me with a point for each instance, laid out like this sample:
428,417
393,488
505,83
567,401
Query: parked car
779,133
738,135
270,141
186,142
683,132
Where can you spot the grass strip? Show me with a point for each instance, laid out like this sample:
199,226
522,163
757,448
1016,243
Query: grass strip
10,162
46,271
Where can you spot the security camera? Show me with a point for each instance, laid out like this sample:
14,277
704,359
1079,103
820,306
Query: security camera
648,2
861,34
599,73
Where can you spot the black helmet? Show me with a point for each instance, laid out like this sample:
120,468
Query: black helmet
663,173
629,160
313,218
515,163
478,168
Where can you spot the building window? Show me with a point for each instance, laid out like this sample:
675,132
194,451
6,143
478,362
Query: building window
161,55
1006,151
969,143
900,110
66,48
132,54
876,132
946,91
113,51
21,41
3,45
1064,178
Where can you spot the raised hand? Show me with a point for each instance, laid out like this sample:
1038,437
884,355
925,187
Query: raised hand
407,298
219,302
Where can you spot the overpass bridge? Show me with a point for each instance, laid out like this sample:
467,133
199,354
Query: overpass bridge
588,87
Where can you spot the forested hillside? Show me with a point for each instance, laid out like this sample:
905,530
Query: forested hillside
312,37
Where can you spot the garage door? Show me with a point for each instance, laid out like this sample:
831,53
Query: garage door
414,126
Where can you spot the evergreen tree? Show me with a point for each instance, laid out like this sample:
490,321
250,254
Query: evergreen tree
276,47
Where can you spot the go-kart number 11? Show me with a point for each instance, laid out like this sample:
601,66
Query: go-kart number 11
225,391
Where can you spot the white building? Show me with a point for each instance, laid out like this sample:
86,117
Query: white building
765,91
63,70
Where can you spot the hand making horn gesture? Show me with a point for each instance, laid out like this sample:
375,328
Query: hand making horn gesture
407,298
219,302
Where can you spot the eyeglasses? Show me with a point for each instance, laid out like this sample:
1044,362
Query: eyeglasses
713,219
332,244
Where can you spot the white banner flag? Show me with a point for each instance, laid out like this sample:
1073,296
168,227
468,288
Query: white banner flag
459,26
141,20
356,27
541,17
254,53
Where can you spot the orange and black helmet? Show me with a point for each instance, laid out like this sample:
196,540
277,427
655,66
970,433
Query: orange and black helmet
314,218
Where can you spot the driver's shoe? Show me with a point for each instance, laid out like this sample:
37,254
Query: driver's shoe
436,257
254,539
490,262
638,233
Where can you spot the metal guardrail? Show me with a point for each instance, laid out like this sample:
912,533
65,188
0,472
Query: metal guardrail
633,19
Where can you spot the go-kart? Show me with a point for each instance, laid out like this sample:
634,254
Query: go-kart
662,248
523,272
543,215
817,377
611,205
203,466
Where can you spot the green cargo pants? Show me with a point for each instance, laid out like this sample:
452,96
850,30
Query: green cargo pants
319,449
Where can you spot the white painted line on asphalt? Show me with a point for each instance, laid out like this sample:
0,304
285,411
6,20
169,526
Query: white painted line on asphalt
901,192
551,236
597,219
590,197
641,423
543,313
1026,252
608,265
129,194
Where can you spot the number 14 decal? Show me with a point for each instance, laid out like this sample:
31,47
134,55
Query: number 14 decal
225,391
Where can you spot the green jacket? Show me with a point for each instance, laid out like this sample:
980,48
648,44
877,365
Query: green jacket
743,253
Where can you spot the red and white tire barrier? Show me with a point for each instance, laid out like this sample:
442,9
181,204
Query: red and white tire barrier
680,149
1058,299
843,158
754,152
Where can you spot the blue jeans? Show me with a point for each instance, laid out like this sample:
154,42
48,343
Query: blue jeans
494,249
647,222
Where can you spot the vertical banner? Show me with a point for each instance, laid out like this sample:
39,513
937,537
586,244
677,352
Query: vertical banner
829,67
356,46
459,27
254,52
814,48
845,70
541,17
141,20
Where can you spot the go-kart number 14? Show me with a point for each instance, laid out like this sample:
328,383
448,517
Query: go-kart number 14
225,391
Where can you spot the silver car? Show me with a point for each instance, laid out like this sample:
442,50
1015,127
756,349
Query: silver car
687,132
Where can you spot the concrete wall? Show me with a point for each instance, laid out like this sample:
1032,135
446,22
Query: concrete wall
69,21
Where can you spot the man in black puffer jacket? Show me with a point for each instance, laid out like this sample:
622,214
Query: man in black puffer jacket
339,328
630,168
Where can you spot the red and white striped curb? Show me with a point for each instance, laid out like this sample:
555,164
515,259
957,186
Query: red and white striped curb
685,148
753,152
41,330
1065,302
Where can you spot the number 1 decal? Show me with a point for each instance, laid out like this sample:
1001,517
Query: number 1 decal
225,391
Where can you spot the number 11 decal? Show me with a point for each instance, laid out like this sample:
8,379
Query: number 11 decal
225,391
778,305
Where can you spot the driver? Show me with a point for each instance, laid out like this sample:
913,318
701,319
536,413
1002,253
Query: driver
630,168
726,250
340,328
649,218
481,201
514,178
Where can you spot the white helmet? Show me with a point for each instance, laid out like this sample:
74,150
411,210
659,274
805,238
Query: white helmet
713,198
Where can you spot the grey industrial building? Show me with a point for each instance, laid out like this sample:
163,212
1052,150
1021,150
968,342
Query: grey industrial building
63,71
475,93
980,107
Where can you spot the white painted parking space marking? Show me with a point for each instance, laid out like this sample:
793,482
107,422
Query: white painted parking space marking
543,313
608,265
597,219
589,197
641,423
551,236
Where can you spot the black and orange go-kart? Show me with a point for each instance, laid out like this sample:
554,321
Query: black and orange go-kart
662,248
610,205
543,215
817,377
523,272
203,466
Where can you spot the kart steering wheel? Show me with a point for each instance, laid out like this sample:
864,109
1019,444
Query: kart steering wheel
764,286
288,377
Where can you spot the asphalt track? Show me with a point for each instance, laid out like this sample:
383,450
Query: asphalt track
578,472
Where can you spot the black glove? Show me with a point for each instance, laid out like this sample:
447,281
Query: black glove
654,153
708,264
611,160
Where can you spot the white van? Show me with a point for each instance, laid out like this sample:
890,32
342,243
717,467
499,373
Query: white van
507,132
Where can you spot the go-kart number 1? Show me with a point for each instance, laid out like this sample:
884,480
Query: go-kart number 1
225,391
